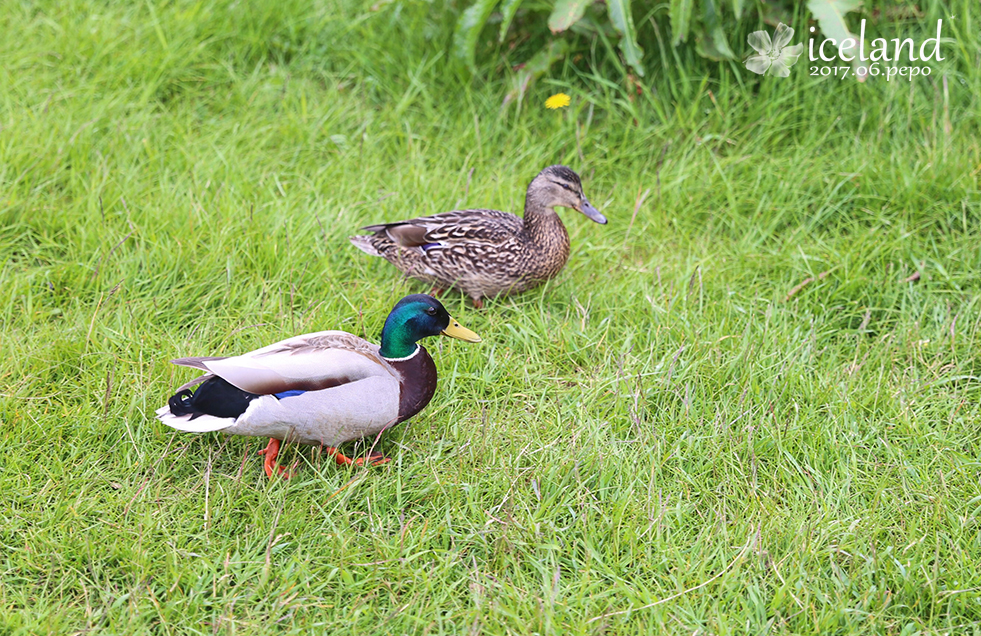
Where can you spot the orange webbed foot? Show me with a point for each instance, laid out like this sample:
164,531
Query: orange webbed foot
271,451
374,459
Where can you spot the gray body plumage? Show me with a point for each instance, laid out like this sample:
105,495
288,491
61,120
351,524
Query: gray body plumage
328,417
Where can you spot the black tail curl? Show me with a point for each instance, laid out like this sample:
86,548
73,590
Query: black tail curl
180,403
215,396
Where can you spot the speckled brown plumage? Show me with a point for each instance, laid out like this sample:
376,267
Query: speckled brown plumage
485,253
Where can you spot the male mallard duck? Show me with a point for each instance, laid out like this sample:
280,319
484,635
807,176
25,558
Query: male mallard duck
486,252
323,388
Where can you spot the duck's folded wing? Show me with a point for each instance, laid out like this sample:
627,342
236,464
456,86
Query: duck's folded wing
490,226
197,362
304,363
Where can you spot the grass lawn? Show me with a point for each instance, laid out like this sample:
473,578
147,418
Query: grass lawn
749,404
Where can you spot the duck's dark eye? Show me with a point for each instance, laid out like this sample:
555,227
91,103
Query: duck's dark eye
564,185
431,311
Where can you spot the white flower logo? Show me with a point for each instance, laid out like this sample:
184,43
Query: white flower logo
774,56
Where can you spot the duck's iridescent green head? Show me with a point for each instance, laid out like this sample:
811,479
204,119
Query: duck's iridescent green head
416,317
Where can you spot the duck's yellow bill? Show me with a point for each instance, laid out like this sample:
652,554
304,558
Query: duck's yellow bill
455,330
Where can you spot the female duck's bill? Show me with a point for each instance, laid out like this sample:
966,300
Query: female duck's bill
592,213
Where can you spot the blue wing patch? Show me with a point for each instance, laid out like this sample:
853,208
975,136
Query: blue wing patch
286,394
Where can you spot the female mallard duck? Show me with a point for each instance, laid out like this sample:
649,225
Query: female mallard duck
486,252
323,388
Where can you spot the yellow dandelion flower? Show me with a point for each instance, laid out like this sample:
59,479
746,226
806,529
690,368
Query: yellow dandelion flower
559,100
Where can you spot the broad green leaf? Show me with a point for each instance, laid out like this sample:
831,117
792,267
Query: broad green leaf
508,9
623,22
590,26
566,13
712,42
534,68
467,31
737,8
680,13
830,15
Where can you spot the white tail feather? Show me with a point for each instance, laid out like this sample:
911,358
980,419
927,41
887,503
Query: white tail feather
200,424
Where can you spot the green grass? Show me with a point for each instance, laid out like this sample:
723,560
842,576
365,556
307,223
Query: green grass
660,440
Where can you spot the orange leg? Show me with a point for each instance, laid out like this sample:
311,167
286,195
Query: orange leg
375,459
271,451
478,303
436,292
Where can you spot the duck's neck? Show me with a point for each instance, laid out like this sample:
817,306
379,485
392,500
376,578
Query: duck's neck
397,339
541,223
393,357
